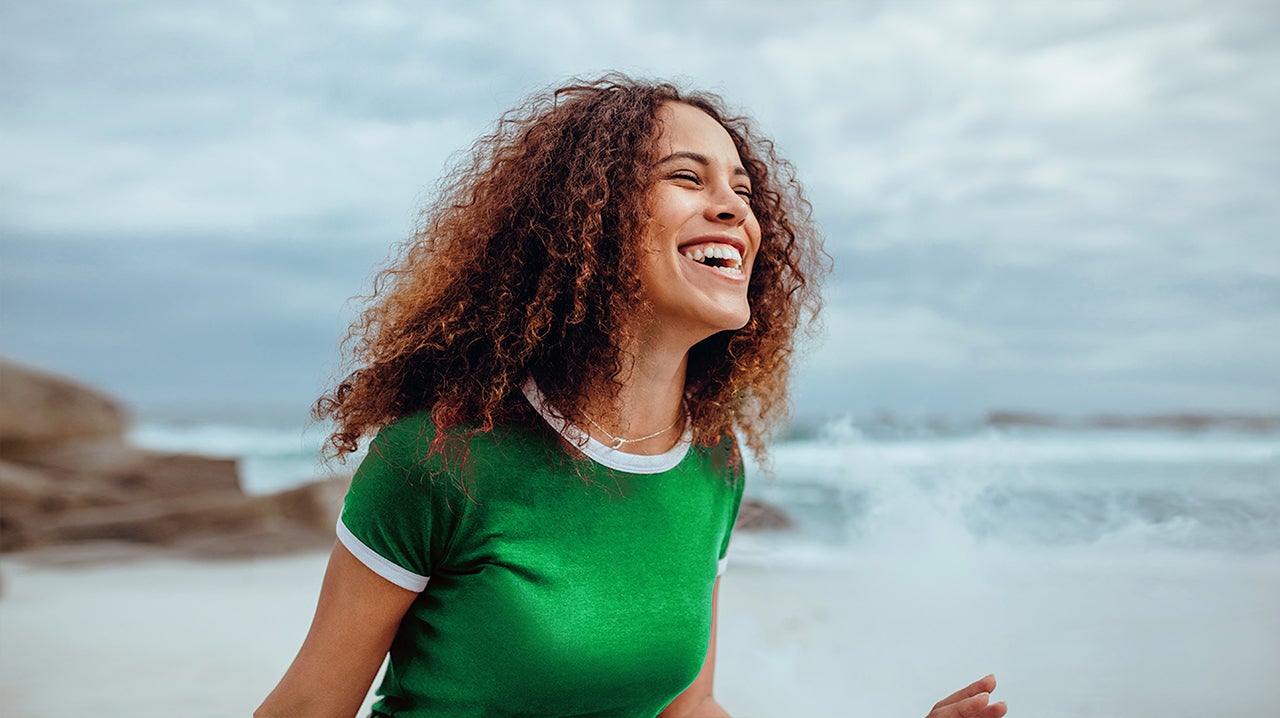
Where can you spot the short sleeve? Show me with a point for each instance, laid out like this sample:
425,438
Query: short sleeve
739,484
400,513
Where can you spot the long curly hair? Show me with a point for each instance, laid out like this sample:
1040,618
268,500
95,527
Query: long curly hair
523,268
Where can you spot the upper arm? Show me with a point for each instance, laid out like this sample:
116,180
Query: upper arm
356,618
698,698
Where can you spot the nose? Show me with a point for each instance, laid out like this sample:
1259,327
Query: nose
726,205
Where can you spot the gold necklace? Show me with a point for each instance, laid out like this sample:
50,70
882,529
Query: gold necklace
618,441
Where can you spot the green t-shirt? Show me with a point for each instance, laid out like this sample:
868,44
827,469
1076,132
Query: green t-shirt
558,586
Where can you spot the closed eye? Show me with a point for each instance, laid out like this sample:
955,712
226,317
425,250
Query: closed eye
694,179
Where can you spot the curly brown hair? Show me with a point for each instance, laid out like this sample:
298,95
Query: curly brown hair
519,269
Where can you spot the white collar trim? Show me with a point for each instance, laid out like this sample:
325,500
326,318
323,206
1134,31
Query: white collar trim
599,452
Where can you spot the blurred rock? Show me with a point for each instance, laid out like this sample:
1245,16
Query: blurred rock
757,515
116,465
67,477
37,408
1188,422
218,514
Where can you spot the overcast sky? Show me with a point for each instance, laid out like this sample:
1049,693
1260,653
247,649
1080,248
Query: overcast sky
1042,205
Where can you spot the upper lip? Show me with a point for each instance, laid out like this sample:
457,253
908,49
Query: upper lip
735,242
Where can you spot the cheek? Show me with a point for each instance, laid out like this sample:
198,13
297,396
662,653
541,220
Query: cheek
753,235
753,229
653,237
664,206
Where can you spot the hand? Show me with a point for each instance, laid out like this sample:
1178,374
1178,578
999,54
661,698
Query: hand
970,702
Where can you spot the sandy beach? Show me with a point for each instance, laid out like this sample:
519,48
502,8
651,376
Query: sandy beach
156,635
150,635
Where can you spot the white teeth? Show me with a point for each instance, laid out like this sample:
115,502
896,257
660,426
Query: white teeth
721,251
728,253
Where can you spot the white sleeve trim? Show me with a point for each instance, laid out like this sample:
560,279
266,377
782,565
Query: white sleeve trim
721,565
380,565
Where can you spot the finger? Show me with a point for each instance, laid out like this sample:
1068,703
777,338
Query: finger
986,684
976,707
971,707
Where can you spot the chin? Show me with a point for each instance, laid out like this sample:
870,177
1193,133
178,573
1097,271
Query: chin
732,322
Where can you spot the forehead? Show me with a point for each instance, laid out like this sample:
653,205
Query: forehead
683,127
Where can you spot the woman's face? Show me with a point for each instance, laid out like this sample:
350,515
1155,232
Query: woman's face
702,236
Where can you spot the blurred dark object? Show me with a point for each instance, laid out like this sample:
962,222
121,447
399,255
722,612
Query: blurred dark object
1188,422
756,515
67,475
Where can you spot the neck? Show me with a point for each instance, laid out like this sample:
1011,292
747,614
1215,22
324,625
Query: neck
649,397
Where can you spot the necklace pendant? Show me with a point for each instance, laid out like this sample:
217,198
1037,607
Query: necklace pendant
617,444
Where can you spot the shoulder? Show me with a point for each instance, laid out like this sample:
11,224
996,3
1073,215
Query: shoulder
415,444
405,432
722,456
404,443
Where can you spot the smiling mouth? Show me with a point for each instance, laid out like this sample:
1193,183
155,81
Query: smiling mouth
722,257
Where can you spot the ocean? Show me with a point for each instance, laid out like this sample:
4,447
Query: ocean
1097,570
1025,488
848,490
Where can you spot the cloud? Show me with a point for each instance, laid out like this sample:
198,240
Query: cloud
1013,193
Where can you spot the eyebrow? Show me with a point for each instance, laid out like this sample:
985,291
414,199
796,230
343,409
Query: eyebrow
696,157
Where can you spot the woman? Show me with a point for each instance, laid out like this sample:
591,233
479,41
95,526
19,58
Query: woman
561,365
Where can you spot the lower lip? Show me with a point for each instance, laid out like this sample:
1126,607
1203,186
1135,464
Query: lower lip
741,277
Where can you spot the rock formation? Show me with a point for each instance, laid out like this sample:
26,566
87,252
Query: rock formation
68,475
38,408
757,515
